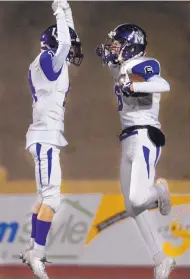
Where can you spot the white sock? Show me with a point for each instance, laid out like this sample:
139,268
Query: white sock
154,194
152,199
148,229
39,250
30,244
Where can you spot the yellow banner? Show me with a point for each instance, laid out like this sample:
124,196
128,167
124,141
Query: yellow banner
112,210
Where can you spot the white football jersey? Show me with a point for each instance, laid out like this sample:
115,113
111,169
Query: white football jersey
49,82
143,107
49,91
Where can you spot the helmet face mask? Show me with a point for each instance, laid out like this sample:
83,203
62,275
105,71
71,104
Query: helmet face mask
113,46
75,55
49,41
125,42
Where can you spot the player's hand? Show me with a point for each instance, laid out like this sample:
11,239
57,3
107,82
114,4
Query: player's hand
123,79
55,6
59,4
100,50
64,4
105,55
125,85
127,89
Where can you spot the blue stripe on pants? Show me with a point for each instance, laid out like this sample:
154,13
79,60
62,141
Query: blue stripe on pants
146,153
49,155
126,135
157,154
38,149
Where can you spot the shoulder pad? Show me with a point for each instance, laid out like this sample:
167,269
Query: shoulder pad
51,52
146,68
46,65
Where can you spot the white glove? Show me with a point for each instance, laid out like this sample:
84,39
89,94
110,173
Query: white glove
64,4
56,7
123,79
59,5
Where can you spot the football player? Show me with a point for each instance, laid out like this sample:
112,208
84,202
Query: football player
49,82
138,86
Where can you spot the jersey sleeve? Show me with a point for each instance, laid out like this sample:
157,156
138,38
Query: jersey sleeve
69,17
155,84
46,64
64,40
147,69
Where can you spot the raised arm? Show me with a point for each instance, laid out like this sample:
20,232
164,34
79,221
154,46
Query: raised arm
64,19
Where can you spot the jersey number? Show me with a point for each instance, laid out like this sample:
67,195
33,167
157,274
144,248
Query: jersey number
119,98
32,87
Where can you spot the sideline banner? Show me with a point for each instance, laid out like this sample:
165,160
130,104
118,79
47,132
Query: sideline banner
93,229
114,238
67,235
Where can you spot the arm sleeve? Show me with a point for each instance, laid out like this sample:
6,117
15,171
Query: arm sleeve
69,17
155,84
64,41
150,71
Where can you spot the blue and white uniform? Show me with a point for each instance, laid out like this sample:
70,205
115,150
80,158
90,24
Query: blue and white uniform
143,110
139,154
49,82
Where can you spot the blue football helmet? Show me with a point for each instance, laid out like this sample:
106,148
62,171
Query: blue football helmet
49,41
125,42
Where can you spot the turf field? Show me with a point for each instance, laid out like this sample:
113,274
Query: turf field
75,272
